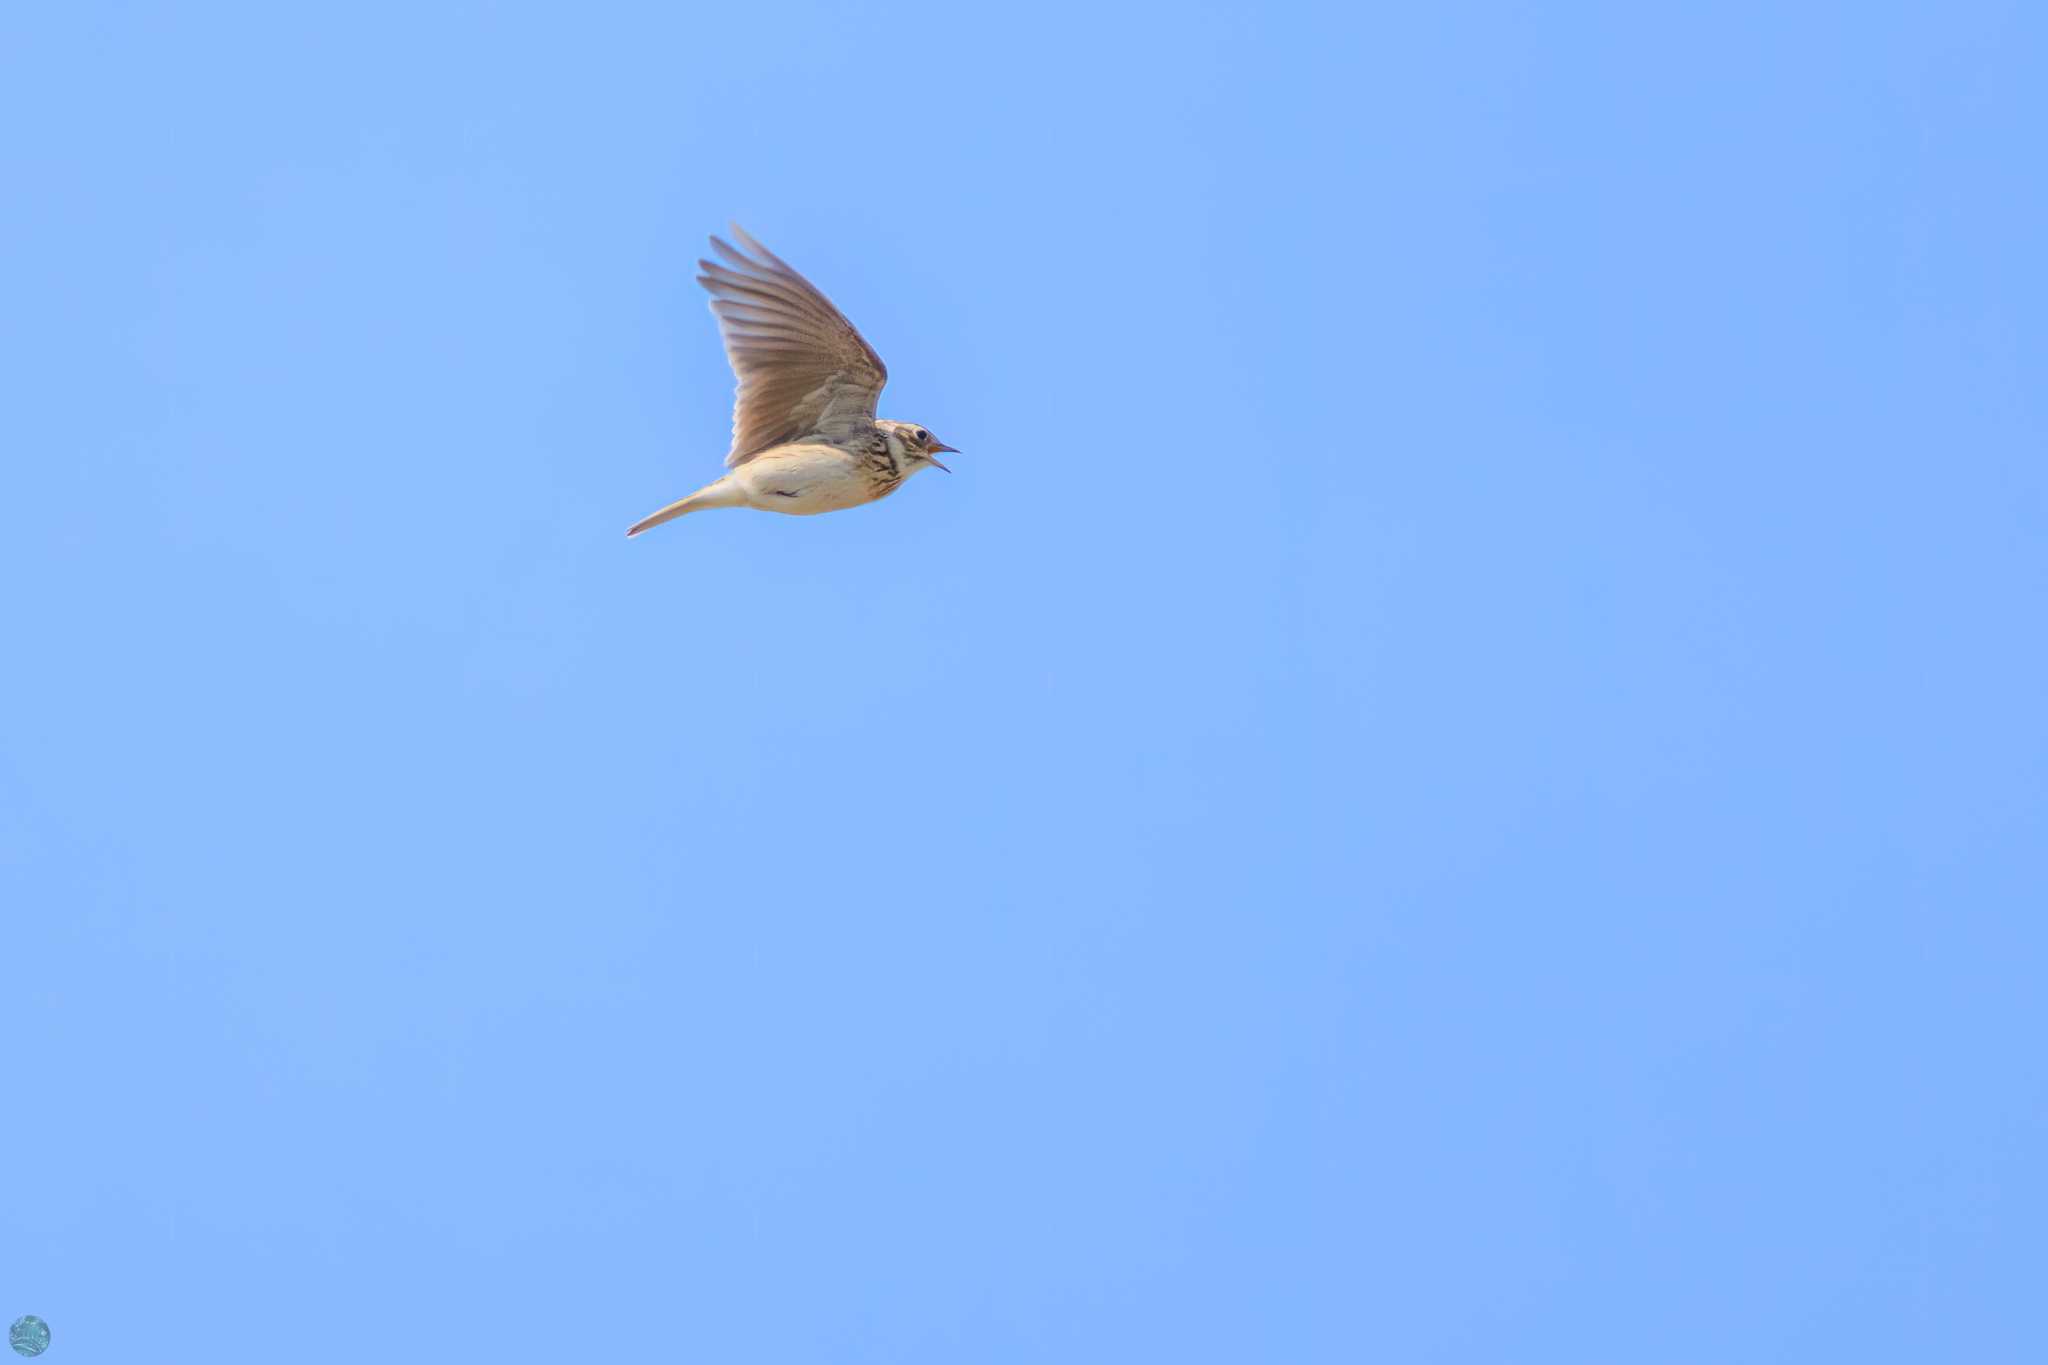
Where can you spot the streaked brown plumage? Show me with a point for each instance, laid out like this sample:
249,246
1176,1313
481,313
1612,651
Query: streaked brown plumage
805,437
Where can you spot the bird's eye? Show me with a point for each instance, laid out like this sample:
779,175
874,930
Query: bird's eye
923,436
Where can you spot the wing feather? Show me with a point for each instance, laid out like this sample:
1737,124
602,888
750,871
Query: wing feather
803,370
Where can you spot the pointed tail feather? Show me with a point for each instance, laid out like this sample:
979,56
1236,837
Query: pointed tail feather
724,493
668,513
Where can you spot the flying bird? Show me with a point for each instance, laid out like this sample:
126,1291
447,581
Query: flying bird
805,437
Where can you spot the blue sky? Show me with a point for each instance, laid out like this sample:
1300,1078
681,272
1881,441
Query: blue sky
1460,773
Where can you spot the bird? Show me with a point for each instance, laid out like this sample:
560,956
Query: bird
805,438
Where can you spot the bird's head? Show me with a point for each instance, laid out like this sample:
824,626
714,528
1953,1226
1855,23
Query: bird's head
916,443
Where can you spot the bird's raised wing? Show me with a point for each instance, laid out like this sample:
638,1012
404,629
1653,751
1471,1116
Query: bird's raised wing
801,366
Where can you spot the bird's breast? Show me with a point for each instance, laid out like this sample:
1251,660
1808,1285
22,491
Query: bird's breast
803,479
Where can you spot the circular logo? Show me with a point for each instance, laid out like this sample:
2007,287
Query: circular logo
30,1335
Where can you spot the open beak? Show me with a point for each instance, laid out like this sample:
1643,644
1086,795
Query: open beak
933,453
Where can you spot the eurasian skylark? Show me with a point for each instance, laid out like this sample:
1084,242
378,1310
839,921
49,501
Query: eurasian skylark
805,437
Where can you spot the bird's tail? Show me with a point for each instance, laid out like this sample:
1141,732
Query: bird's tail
724,493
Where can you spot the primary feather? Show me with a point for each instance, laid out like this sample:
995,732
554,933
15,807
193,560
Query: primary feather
803,369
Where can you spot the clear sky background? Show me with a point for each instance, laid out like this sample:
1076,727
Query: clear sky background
1459,774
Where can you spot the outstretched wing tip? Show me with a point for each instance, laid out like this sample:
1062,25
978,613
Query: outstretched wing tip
801,364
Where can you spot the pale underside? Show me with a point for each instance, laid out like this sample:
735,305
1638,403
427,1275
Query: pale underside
810,477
